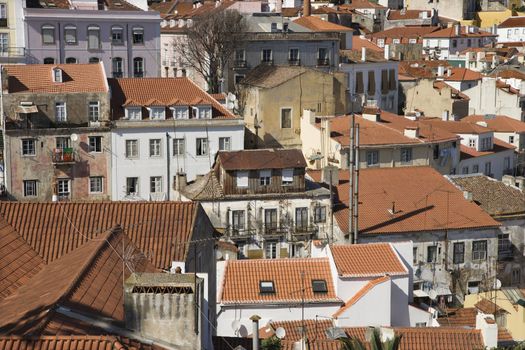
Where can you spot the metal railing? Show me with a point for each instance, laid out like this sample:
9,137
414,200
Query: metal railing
63,156
323,62
240,64
294,62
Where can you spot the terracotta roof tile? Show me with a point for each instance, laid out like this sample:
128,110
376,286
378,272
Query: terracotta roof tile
456,127
499,146
488,307
242,278
495,197
143,90
317,24
88,279
72,342
361,4
498,123
515,21
360,293
314,329
261,159
449,33
404,34
156,228
420,196
359,42
509,74
396,15
365,260
38,78
18,261
461,317
462,74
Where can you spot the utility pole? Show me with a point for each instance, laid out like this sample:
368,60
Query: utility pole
356,185
168,187
351,182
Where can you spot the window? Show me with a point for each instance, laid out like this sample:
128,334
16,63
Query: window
93,37
117,35
238,78
293,56
71,60
3,13
155,184
94,60
459,253
406,155
138,35
475,169
371,83
421,324
270,219
117,67
63,188
178,147
472,143
412,41
319,213
432,254
57,75
381,42
504,245
319,286
479,250
469,42
204,112
266,55
287,176
240,57
266,287
322,57
95,184
238,220
30,188
270,249
63,142
436,151
301,217
60,112
48,35
516,276
473,287
157,113
70,35
265,177
372,158
138,67
94,111
180,112
132,186
132,148
4,43
286,118
454,43
242,178
511,139
134,113
464,170
154,147
506,163
28,147
396,41
49,60
95,144
202,147
225,143
488,168
414,256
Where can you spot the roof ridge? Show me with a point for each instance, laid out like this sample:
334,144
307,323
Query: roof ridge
360,293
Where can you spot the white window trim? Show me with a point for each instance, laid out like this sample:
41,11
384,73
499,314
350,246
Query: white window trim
22,147
137,156
152,110
64,104
283,177
133,109
89,144
101,185
160,148
36,188
242,175
281,117
176,109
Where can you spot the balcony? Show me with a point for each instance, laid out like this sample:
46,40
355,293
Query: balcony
63,156
240,64
294,62
303,231
323,62
267,62
117,74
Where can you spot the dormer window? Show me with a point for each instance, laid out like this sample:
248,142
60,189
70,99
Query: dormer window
180,112
157,113
265,177
486,143
266,287
134,113
57,75
204,112
319,286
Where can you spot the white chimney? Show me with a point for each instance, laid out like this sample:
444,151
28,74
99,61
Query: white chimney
449,72
387,52
372,113
363,54
412,132
489,330
482,123
444,115
441,71
457,29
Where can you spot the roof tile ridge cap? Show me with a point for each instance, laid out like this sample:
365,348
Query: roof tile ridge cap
223,282
103,239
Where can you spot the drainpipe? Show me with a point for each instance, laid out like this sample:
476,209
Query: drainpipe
255,331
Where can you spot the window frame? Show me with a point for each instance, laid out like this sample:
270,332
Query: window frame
134,143
290,109
133,112
60,188
137,30
242,177
116,29
265,177
94,108
225,141
155,148
70,28
157,113
97,147
370,164
458,255
202,144
60,112
34,189
32,142
117,62
91,184
178,145
476,252
406,156
91,29
138,73
238,218
286,176
155,184
136,185
48,27
319,214
429,255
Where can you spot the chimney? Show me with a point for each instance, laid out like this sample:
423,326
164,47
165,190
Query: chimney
372,113
363,54
180,181
482,123
457,29
412,132
489,329
330,174
387,52
441,71
255,331
449,72
306,8
444,115
509,180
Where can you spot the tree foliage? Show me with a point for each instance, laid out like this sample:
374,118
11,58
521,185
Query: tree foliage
272,343
211,40
375,343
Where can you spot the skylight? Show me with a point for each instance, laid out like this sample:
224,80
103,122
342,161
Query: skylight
266,287
319,286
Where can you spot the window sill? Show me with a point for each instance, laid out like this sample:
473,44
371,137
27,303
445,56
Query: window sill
28,155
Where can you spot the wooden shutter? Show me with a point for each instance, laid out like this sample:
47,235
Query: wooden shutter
359,85
371,83
384,81
392,79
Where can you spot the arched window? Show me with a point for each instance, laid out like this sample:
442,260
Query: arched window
71,60
94,60
117,67
93,37
49,60
48,34
138,67
70,34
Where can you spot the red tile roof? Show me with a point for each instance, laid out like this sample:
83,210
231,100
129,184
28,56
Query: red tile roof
449,33
358,43
314,329
456,127
362,4
420,195
316,24
38,78
72,342
18,261
404,34
508,74
511,22
396,15
167,91
158,229
462,74
290,276
488,307
261,159
499,146
498,123
365,260
360,293
88,279
461,317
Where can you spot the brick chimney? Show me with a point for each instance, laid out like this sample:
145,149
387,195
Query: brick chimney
306,8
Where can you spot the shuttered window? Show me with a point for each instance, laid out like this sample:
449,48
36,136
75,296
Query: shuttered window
384,81
392,79
371,83
359,84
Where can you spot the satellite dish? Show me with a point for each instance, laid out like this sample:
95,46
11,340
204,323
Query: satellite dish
236,325
432,294
74,137
280,333
218,255
497,284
